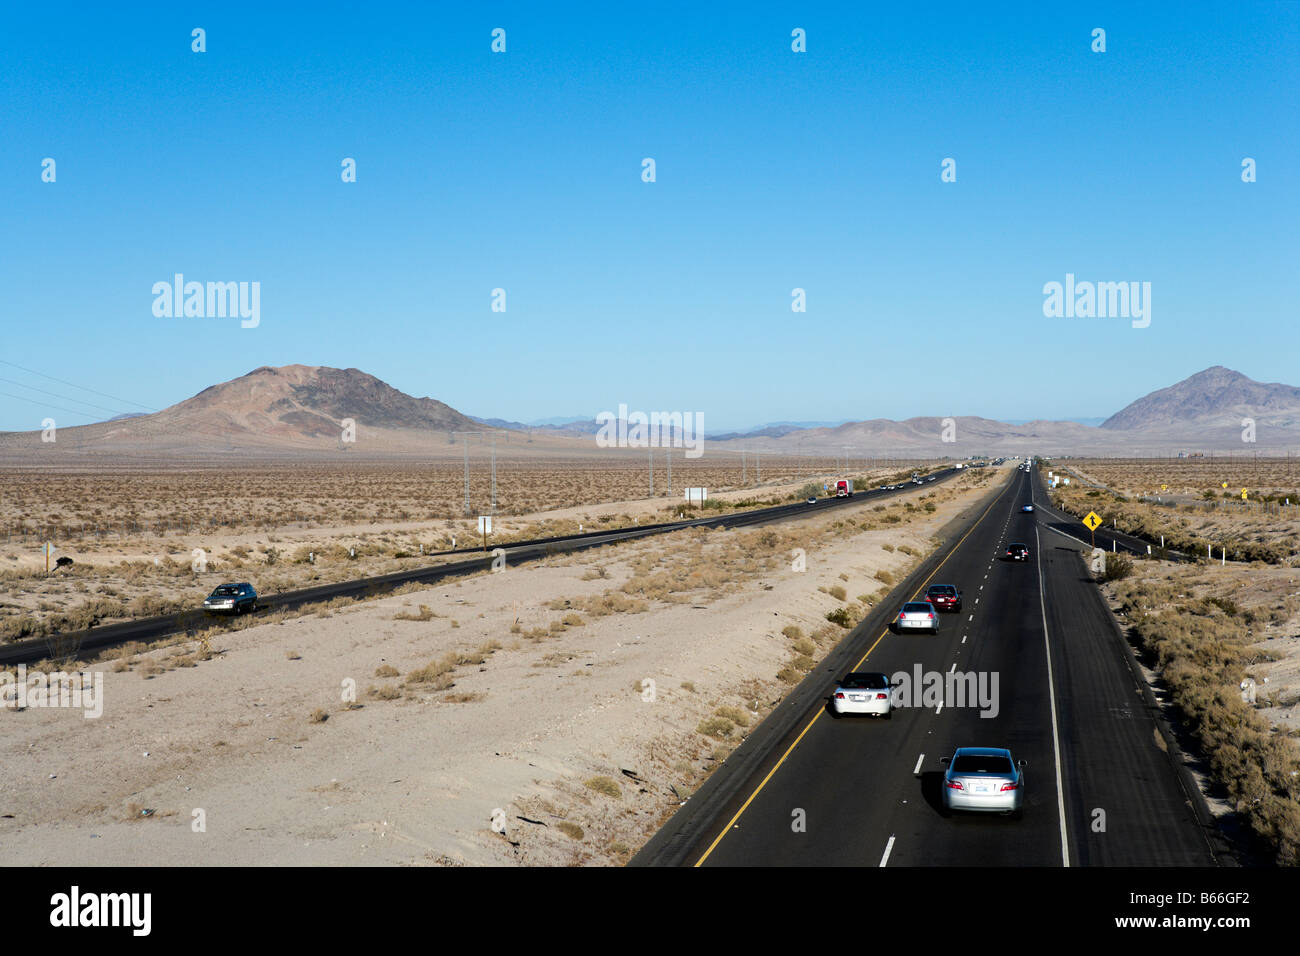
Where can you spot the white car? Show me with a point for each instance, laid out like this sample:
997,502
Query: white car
863,692
917,616
984,779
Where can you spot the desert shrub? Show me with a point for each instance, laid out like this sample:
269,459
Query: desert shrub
840,616
715,727
1118,567
735,715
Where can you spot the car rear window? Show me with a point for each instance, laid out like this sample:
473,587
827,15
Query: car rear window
916,606
981,763
943,589
866,681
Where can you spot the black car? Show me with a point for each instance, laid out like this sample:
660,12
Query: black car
1016,552
232,598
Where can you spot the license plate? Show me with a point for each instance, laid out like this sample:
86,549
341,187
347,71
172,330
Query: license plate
981,788
859,698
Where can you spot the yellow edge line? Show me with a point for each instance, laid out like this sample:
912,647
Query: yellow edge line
757,790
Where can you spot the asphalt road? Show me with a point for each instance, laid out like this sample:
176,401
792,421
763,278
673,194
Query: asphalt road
806,789
145,630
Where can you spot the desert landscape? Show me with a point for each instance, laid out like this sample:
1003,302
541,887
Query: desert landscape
640,666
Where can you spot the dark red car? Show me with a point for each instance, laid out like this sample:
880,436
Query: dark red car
944,597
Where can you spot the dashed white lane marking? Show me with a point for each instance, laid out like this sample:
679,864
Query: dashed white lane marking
919,761
939,709
963,638
971,618
953,668
889,848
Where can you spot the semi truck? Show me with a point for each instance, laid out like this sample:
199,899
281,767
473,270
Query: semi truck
844,488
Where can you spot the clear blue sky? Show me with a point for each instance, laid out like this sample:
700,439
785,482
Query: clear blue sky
775,169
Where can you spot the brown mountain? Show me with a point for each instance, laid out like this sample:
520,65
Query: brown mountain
269,412
312,401
1216,397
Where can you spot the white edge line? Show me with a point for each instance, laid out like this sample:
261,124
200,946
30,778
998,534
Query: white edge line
1051,690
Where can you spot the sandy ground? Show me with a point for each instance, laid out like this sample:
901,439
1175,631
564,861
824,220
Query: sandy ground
231,769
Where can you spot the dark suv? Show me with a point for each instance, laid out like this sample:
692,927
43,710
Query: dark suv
944,597
1017,552
232,598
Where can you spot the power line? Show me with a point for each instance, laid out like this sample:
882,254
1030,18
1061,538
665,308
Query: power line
75,385
66,398
33,401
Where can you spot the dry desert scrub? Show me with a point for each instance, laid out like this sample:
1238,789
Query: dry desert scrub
1194,510
1202,652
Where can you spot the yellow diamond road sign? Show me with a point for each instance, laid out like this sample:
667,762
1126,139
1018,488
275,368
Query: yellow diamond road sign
1092,521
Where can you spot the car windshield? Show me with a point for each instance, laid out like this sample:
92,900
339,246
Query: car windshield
915,607
226,590
943,590
981,763
865,681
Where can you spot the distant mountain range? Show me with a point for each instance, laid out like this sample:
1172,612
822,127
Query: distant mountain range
298,409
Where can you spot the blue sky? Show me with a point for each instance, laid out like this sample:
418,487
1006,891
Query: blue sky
775,170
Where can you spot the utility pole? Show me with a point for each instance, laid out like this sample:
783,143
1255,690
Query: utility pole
650,459
464,440
668,457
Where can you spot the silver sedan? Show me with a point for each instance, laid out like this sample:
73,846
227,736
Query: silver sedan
984,779
917,616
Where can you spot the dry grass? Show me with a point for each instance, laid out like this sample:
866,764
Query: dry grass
1202,645
605,785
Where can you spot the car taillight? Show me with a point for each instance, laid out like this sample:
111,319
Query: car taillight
881,696
930,615
955,785
1014,785
839,695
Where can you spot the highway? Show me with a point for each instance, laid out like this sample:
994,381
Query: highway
805,789
80,643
